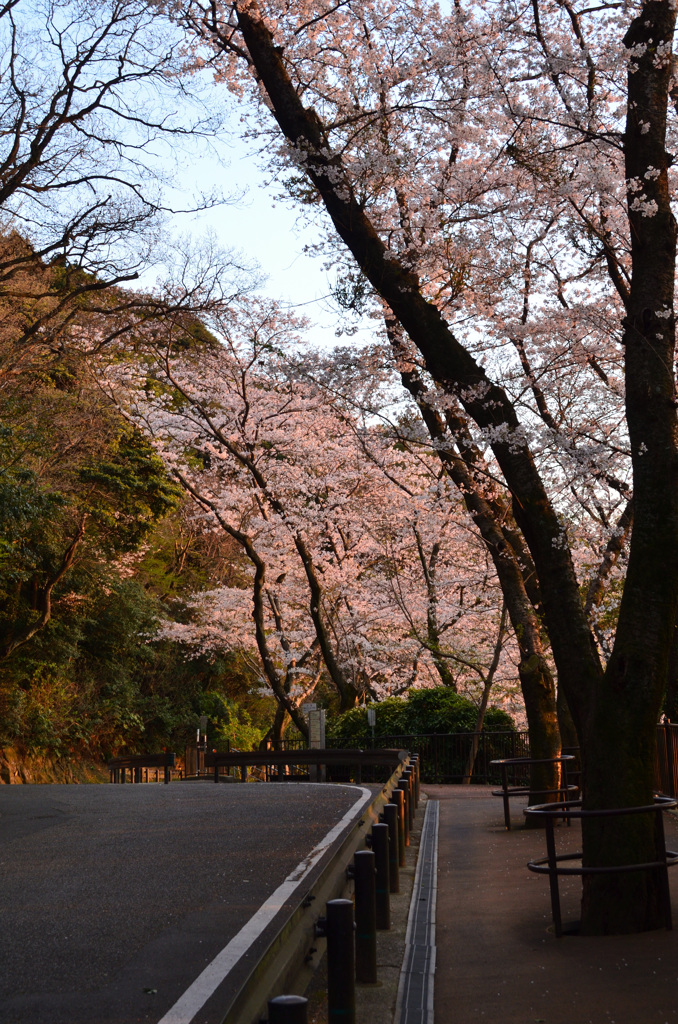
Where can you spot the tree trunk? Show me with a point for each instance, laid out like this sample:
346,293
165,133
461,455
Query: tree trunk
280,722
618,771
619,731
536,681
348,694
568,733
487,686
670,706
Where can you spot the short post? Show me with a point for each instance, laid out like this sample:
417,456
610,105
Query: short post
380,849
340,963
364,875
553,876
408,774
167,774
390,817
404,787
505,796
398,800
288,1010
416,764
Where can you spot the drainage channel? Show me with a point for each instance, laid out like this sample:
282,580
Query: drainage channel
414,1003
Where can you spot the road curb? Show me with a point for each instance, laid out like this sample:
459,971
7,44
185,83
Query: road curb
292,956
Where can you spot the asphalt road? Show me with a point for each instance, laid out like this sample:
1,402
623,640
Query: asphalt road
114,898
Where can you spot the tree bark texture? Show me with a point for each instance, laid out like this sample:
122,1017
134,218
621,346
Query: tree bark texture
619,733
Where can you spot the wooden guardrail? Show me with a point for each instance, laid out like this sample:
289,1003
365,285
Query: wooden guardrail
245,759
118,766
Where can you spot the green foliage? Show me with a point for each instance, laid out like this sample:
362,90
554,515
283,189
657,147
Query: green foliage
228,723
28,520
95,682
129,491
422,712
94,552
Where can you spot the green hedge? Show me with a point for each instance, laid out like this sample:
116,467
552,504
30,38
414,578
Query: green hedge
438,710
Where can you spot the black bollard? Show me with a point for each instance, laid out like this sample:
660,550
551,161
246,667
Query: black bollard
380,849
417,766
414,762
390,818
365,877
340,962
404,786
408,774
398,799
288,1010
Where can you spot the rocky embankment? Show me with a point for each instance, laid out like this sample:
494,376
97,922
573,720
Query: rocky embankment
19,768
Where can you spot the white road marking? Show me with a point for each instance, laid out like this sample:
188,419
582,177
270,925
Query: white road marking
206,984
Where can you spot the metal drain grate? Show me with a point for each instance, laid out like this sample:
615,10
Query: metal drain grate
414,1004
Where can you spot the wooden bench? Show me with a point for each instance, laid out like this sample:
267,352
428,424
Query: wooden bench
508,790
118,766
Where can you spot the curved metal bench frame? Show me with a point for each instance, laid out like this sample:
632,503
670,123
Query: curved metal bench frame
507,791
549,865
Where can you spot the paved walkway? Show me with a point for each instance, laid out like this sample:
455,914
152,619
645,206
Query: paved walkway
498,961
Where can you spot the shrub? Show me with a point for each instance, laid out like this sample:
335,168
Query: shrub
421,712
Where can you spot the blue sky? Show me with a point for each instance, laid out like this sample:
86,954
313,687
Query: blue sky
266,229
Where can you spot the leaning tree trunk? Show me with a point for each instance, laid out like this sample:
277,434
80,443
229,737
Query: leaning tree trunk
536,680
538,690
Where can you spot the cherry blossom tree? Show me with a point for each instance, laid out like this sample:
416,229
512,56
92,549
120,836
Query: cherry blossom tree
356,563
501,178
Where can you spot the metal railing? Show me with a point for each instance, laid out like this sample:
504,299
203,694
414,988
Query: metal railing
666,764
444,756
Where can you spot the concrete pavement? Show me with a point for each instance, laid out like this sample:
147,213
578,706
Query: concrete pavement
498,961
115,898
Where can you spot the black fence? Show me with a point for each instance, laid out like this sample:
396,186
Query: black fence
666,767
444,756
